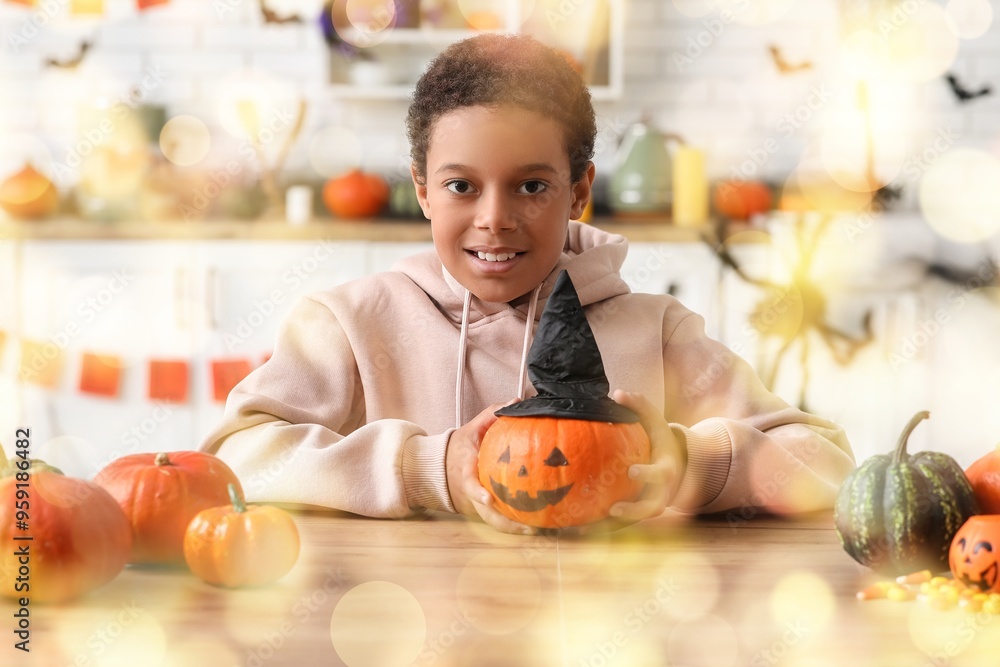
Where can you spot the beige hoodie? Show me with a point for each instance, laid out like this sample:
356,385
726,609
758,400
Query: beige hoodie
354,408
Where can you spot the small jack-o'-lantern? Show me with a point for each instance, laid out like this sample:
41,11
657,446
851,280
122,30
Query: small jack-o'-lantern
561,458
975,553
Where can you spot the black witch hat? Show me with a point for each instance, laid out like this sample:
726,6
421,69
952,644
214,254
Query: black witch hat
565,366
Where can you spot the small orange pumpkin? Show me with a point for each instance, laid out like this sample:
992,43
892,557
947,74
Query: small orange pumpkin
28,195
237,545
974,557
356,195
80,536
552,472
161,493
984,475
739,200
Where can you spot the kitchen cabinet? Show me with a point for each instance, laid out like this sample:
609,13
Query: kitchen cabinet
589,32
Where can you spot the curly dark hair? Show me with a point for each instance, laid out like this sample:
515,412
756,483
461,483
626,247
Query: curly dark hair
494,70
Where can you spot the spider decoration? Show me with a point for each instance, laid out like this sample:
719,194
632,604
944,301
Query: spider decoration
791,313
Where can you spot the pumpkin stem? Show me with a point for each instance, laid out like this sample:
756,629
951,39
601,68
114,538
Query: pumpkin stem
238,502
900,454
162,459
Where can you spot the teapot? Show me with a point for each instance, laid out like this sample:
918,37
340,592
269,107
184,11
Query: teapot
642,180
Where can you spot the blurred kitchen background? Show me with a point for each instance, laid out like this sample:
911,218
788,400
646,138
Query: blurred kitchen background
820,179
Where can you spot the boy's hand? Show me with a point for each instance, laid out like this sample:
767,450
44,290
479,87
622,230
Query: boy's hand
462,468
662,475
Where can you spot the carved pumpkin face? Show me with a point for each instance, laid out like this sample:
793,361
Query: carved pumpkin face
550,472
975,551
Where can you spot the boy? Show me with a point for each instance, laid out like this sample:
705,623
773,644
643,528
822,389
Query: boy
354,409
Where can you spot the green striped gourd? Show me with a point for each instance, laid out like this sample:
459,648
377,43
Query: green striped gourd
898,513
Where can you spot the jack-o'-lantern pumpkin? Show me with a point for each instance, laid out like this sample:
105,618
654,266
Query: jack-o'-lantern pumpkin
974,558
561,458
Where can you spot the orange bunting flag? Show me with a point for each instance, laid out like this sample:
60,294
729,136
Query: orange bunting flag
168,380
146,4
40,363
226,374
29,3
101,375
93,7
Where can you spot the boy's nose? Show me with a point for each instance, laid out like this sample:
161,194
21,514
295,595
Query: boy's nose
495,213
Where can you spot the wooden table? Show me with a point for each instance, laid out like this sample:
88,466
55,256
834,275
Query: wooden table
443,591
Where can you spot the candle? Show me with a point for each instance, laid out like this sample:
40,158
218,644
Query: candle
690,187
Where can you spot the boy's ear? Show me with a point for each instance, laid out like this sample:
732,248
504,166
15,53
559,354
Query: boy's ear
425,205
582,192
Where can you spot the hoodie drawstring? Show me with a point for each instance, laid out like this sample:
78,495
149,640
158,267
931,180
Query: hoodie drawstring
463,338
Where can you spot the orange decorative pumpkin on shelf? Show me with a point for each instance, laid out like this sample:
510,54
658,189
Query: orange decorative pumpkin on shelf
161,493
561,458
974,558
28,195
80,536
240,545
740,200
356,194
984,475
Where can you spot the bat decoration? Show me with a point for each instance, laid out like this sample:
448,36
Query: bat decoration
783,65
270,16
72,62
962,93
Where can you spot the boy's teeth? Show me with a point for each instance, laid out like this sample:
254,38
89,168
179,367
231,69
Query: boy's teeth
501,257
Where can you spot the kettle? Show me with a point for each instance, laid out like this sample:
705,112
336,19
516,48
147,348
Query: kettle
642,180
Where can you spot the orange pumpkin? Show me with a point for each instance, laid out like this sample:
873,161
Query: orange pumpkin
974,557
553,472
739,200
356,195
161,493
984,475
28,195
80,536
240,545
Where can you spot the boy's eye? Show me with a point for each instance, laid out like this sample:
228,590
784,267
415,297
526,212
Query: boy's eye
532,187
458,187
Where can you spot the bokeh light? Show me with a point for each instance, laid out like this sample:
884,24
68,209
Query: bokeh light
185,140
498,593
969,19
959,196
689,642
920,45
121,636
363,23
482,14
802,598
378,623
695,582
937,633
185,653
695,8
335,150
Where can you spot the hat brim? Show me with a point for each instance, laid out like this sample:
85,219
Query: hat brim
589,409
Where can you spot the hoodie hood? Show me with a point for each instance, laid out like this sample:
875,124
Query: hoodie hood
592,257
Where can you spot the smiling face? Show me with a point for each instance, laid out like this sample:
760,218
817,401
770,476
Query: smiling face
499,196
973,556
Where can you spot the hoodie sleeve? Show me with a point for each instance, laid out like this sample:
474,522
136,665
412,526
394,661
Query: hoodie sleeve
294,431
746,447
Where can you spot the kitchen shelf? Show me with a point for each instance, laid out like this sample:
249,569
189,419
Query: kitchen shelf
656,230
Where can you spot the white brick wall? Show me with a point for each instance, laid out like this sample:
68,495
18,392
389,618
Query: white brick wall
728,99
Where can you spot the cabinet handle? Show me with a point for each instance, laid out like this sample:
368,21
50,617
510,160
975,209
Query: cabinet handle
211,288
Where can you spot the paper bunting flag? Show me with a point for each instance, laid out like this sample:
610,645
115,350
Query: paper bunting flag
29,3
91,7
168,380
101,374
226,374
146,4
40,363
